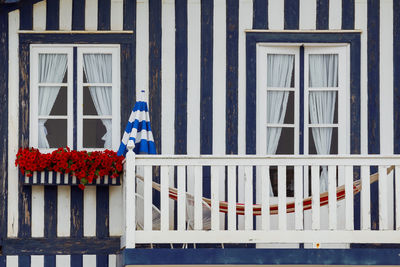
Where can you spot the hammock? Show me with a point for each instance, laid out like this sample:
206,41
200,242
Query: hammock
290,207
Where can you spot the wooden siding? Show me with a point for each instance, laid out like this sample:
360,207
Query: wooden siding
196,77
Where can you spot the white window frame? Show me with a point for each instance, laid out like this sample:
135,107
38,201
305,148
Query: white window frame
35,50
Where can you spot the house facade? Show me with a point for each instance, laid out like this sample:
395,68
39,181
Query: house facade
222,78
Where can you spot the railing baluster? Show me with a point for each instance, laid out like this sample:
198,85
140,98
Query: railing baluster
147,199
332,197
265,184
383,199
298,197
349,223
397,184
248,195
315,225
365,199
198,202
181,198
231,198
214,198
164,180
282,197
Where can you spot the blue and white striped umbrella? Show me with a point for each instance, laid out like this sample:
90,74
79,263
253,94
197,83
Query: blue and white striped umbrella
138,130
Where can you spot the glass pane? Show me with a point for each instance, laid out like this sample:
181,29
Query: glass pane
97,68
276,106
94,133
327,140
323,107
56,130
280,70
52,100
323,70
289,116
97,100
273,174
280,140
52,68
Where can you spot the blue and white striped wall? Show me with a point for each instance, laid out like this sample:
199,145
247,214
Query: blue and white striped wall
191,54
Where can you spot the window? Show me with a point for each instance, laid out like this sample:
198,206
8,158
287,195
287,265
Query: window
75,97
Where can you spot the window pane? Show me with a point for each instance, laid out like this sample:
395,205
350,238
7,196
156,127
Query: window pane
97,100
280,70
323,140
280,140
52,132
95,134
289,116
323,107
323,70
52,68
52,100
97,68
276,106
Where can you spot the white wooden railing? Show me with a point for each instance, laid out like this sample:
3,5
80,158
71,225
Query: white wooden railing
333,223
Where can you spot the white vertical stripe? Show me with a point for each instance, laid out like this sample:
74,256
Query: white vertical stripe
308,14
142,46
265,199
91,15
117,15
115,213
276,14
335,14
89,260
168,77
383,199
365,199
12,261
361,23
63,210
63,261
89,211
36,261
37,211
112,260
65,14
13,118
39,16
193,91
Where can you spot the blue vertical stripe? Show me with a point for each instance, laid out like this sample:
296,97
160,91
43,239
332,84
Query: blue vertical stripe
102,260
251,78
75,98
76,261
78,15
181,53
102,211
52,14
291,20
322,22
232,65
3,261
26,15
24,261
104,15
76,212
348,14
129,19
396,75
128,91
260,14
49,260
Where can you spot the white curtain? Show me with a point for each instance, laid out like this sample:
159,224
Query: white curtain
98,69
279,74
323,73
52,69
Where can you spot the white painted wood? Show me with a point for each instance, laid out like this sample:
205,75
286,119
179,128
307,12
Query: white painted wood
214,198
91,9
298,196
89,211
231,198
89,260
164,197
315,198
65,15
241,194
332,197
248,194
37,211
12,261
365,199
335,14
349,200
265,199
397,181
276,14
63,210
282,197
181,198
142,46
198,202
63,260
308,14
112,260
383,199
36,261
39,16
115,214
148,198
129,197
117,15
